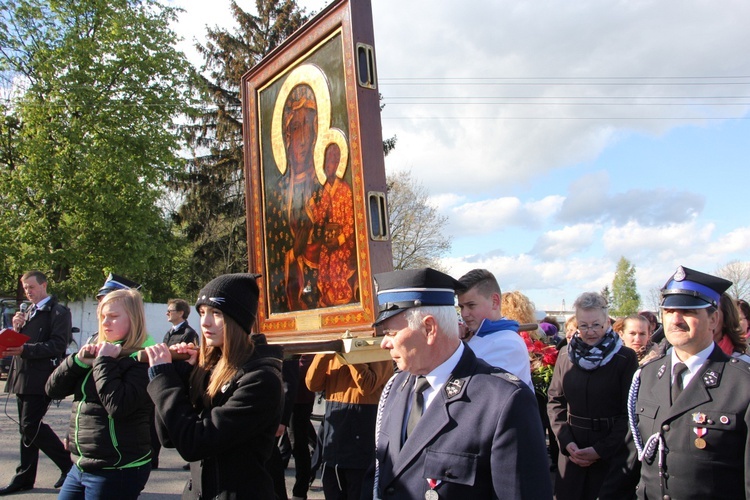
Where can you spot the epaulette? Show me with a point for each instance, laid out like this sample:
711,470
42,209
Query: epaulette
505,375
653,360
740,364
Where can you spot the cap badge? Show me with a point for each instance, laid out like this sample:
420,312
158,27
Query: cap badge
679,275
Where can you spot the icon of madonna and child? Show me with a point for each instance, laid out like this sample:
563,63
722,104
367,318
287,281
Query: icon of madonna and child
310,224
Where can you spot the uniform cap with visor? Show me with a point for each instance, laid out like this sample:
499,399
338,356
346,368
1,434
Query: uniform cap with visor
401,290
691,289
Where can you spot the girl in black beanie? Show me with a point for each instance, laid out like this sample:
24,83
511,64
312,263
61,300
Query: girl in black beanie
221,408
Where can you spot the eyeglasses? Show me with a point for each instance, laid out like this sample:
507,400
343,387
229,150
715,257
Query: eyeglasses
171,310
585,328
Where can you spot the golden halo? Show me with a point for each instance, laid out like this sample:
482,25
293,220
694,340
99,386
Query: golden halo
309,74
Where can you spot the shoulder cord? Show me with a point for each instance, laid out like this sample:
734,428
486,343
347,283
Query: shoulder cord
378,420
647,450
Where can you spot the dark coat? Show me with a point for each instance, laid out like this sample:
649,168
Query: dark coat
720,395
111,412
184,333
228,443
50,332
596,394
481,436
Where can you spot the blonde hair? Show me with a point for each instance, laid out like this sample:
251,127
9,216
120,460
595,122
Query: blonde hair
219,365
132,301
517,306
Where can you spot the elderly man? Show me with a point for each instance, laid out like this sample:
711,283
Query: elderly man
692,412
449,425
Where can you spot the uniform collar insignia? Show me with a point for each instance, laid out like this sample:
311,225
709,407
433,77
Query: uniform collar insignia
453,387
662,369
711,378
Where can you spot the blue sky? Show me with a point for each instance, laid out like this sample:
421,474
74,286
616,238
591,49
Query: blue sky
557,136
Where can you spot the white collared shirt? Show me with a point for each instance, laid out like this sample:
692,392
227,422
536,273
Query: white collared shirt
440,375
177,326
43,301
693,364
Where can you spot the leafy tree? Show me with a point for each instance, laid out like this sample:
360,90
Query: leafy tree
212,215
88,140
739,274
625,298
416,226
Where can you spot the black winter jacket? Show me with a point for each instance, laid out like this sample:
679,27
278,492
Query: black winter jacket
110,417
229,443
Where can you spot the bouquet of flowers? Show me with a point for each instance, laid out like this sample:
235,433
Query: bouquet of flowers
542,358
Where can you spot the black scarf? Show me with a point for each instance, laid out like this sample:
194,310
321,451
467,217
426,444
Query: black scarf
590,357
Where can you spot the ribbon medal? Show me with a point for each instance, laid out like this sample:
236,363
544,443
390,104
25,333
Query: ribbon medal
431,494
700,443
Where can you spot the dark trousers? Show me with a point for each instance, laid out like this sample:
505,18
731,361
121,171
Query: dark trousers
301,429
155,443
275,467
342,484
35,436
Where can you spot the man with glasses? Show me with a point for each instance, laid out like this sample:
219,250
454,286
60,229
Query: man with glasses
449,425
178,311
692,413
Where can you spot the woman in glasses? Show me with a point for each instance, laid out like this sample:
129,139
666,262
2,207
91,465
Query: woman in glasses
588,401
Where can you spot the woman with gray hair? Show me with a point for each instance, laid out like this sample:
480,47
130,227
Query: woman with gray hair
588,403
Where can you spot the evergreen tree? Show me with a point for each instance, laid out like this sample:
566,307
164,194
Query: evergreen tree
625,298
607,294
212,215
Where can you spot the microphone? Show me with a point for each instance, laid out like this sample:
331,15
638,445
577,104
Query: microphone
24,306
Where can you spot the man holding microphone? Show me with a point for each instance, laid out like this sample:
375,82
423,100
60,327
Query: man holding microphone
48,325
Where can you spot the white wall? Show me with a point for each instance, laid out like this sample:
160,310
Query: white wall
84,317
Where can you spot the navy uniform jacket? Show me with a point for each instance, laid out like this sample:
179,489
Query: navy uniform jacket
50,332
717,400
481,437
184,333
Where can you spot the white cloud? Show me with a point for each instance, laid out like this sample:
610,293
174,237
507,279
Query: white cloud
491,215
562,243
605,46
734,242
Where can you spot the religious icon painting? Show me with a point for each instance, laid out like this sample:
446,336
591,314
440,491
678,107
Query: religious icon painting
315,177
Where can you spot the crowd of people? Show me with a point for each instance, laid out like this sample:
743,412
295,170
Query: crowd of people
488,402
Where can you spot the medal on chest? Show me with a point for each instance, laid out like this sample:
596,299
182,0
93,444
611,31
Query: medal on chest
700,443
431,494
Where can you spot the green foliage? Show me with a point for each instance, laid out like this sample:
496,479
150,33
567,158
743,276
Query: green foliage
88,141
416,226
212,216
625,298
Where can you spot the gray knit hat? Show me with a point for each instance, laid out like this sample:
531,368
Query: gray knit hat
236,295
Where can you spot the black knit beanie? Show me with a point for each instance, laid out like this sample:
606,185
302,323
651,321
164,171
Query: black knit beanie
236,295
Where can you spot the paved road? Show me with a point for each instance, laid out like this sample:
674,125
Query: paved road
164,483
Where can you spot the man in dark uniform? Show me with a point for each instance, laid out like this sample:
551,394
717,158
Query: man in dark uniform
691,417
178,311
48,324
449,425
